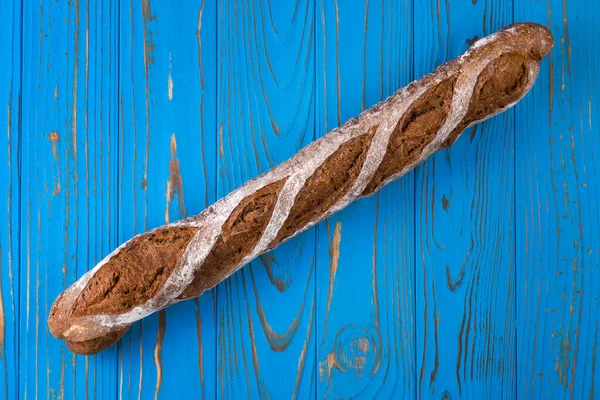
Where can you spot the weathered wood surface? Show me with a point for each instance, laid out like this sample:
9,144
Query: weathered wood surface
266,113
167,143
10,304
68,182
465,264
557,151
365,268
476,276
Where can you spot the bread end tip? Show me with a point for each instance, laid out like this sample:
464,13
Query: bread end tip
538,36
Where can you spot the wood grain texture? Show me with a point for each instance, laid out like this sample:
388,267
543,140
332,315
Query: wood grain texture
68,202
558,213
475,277
365,264
167,158
465,236
10,94
265,313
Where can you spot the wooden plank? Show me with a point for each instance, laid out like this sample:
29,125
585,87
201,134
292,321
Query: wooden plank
265,312
558,213
68,204
10,93
365,264
168,143
465,229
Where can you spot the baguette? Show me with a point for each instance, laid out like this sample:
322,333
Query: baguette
181,260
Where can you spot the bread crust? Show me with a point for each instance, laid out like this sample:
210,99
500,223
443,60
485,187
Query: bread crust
352,161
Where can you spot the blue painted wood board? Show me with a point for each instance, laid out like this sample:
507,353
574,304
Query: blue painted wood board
10,304
475,276
465,233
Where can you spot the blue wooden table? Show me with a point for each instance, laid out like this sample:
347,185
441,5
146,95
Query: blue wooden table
475,276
